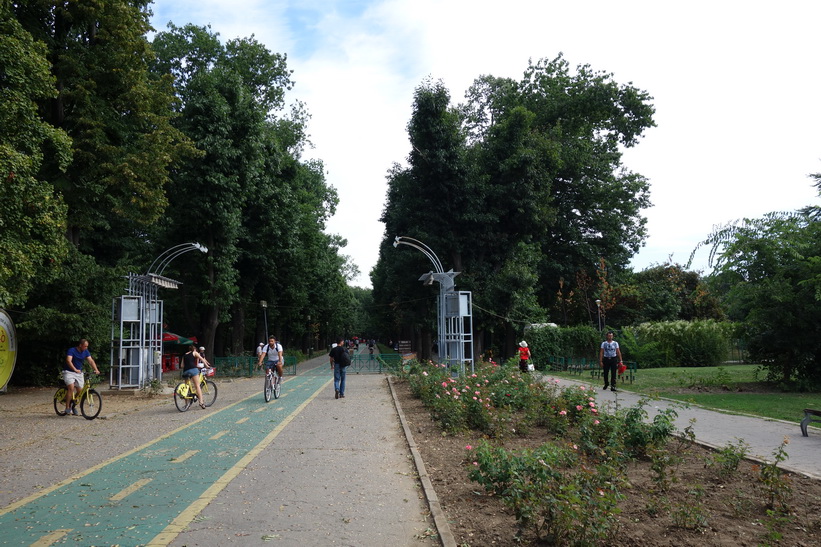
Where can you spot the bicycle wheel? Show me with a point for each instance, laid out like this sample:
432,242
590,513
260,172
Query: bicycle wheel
60,401
182,397
209,392
91,404
277,386
268,390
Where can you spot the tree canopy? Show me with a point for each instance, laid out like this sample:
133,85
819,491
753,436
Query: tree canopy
518,188
113,149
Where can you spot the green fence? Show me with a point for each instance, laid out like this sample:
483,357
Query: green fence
582,365
246,366
363,363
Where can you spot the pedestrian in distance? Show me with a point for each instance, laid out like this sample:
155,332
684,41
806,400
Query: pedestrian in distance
339,360
193,363
609,360
76,357
259,353
524,356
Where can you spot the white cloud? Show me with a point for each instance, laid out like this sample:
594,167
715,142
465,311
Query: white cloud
734,88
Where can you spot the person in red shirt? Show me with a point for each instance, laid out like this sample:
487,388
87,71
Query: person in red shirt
524,356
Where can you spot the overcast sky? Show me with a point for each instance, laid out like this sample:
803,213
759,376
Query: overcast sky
735,87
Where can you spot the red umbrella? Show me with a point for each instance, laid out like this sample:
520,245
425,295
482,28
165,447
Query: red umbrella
171,338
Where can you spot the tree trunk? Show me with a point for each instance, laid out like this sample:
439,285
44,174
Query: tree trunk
238,330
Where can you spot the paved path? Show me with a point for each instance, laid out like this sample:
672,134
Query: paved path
717,429
305,469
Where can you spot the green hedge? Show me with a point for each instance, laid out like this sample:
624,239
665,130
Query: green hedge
651,345
547,342
701,343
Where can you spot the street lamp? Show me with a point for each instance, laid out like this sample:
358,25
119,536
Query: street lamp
264,305
454,318
137,320
598,314
164,259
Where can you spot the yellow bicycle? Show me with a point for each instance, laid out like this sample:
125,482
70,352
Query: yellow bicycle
185,394
91,403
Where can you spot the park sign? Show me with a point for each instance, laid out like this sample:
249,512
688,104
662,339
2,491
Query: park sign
8,348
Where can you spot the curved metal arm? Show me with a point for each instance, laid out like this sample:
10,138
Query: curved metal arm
418,245
164,259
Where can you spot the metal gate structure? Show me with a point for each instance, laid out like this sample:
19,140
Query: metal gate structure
454,314
136,323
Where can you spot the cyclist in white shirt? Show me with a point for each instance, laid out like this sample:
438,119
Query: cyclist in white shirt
272,355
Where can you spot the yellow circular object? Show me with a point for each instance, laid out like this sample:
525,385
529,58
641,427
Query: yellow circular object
8,348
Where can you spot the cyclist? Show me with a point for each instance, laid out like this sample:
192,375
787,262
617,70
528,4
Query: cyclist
194,362
272,355
73,372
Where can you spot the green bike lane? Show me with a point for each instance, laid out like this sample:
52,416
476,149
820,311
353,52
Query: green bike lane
148,495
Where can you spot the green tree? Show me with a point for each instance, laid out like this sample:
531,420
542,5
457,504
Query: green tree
32,215
664,292
250,199
523,167
770,268
119,118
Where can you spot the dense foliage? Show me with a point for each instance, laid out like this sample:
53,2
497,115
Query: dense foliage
113,149
520,189
769,270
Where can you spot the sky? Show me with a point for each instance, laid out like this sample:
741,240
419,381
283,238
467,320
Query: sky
735,85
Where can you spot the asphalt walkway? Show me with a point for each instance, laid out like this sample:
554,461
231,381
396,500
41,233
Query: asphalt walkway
304,469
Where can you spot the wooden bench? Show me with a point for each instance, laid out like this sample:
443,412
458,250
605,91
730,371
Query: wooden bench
810,415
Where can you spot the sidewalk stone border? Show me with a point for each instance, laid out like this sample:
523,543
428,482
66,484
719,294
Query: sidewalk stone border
439,518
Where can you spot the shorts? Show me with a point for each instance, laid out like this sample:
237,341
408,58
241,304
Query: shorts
190,372
71,377
270,364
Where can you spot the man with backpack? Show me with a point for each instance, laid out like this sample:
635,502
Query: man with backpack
340,360
272,355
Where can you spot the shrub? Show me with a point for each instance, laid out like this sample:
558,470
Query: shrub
678,343
551,490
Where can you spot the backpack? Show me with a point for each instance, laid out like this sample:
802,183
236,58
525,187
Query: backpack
344,359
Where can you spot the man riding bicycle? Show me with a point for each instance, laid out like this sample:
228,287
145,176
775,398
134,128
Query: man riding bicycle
272,355
73,372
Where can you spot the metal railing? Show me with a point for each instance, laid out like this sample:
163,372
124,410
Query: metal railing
363,363
246,366
580,365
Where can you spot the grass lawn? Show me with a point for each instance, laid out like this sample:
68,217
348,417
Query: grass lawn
734,388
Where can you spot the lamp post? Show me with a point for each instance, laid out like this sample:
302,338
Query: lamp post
598,314
454,338
264,305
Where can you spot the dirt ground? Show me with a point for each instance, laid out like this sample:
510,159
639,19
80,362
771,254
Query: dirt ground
697,510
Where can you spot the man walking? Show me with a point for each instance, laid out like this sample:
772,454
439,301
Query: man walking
609,360
339,364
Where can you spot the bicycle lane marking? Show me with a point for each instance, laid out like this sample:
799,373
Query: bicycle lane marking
144,494
184,519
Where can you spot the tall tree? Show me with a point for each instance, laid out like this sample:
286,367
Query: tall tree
522,185
770,268
250,199
117,116
32,215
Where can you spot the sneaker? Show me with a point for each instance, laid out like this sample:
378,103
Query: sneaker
74,411
66,412
341,396
605,386
336,394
